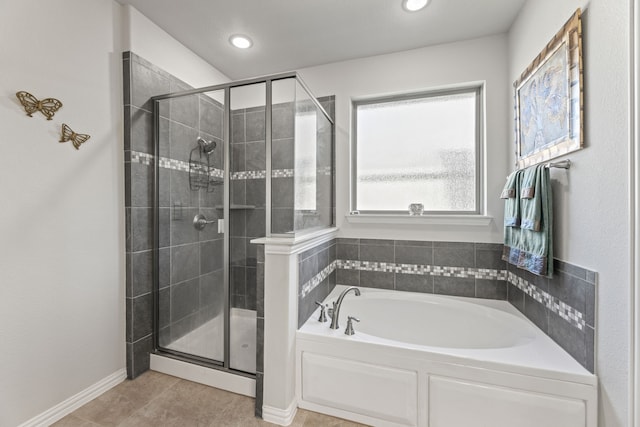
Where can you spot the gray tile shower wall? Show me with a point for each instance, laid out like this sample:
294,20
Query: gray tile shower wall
138,131
282,187
322,215
190,261
286,216
563,307
247,201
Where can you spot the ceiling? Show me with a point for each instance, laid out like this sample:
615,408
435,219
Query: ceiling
294,34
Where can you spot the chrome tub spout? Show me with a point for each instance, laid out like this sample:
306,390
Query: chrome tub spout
337,304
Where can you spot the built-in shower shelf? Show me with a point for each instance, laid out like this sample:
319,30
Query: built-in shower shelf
237,207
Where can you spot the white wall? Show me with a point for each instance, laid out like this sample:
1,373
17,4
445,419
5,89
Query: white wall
592,223
62,218
62,281
146,39
475,60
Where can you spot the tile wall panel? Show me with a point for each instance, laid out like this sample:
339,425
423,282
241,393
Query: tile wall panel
189,272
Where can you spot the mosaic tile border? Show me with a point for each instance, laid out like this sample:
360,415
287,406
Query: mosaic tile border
142,158
179,165
282,173
317,279
565,311
435,270
173,164
248,175
261,174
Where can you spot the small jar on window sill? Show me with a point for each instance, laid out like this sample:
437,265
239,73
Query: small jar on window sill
416,209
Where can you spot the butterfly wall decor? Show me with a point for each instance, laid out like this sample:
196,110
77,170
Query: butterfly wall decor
76,138
31,104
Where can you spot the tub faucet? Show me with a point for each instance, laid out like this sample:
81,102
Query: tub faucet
337,304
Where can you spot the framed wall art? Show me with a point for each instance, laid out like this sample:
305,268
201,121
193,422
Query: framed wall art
548,99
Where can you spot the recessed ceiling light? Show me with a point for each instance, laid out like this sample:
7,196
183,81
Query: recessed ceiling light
240,41
414,5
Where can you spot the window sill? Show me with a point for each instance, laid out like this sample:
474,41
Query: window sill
462,220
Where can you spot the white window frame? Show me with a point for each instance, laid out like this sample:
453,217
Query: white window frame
478,90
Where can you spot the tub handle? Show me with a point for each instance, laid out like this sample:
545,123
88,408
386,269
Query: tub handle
349,330
323,315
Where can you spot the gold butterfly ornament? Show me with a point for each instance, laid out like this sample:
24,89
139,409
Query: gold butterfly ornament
31,104
76,138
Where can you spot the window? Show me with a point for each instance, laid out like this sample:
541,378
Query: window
418,148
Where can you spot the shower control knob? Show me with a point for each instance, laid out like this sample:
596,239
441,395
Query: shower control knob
200,222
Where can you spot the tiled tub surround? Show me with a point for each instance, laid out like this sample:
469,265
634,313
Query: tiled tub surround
316,276
259,329
563,307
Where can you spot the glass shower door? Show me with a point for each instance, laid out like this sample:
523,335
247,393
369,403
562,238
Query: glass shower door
246,217
192,295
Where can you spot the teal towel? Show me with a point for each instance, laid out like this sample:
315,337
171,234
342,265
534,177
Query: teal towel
512,204
527,187
510,190
531,198
530,246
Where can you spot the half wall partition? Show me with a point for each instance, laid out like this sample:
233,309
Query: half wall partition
235,162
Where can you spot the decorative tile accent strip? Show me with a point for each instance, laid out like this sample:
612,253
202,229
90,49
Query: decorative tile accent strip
173,164
282,173
179,165
248,175
568,313
435,270
317,279
142,158
477,273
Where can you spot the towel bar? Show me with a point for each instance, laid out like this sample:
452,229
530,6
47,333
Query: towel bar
563,164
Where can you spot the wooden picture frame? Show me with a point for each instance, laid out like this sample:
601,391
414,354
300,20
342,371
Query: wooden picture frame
548,99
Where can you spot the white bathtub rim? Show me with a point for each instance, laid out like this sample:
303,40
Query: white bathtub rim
541,357
498,328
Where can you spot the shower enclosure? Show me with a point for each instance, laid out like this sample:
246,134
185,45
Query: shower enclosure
236,162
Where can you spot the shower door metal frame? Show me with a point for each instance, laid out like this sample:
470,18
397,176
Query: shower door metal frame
226,87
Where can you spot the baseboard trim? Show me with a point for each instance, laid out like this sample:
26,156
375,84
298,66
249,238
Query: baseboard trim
66,407
282,417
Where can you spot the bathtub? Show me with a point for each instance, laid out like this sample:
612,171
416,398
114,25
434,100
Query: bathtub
439,361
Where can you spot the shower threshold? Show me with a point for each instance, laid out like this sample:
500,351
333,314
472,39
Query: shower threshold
206,340
242,350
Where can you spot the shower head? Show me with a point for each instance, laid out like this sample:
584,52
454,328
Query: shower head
206,146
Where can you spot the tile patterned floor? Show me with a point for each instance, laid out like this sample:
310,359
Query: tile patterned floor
158,400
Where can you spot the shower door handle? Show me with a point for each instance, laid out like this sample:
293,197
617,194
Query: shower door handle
200,222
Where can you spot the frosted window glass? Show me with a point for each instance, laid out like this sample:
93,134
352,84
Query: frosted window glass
420,150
